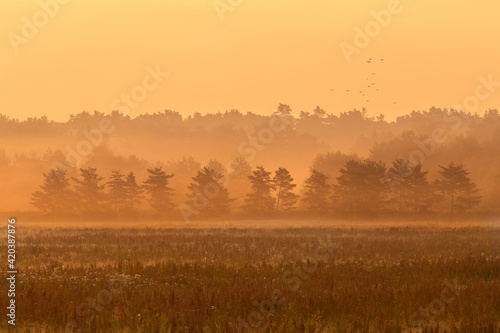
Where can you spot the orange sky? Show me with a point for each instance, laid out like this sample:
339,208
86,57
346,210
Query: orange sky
90,53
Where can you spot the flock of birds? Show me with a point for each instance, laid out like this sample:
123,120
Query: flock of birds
370,85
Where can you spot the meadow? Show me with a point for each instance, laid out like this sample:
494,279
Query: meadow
260,277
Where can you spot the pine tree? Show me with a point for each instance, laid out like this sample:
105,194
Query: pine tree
397,180
421,193
317,193
283,184
361,188
410,186
375,190
55,197
283,110
118,195
457,185
240,166
239,184
208,196
260,200
89,191
217,167
160,195
319,112
134,192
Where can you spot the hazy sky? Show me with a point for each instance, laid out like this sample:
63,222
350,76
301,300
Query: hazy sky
87,54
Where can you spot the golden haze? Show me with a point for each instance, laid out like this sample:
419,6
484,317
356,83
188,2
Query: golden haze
262,53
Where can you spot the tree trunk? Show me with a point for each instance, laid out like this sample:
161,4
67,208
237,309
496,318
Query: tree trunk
278,200
400,203
452,205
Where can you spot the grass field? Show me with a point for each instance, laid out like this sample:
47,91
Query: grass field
257,276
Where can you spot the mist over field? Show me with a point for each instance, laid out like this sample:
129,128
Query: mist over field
296,221
233,144
234,222
250,166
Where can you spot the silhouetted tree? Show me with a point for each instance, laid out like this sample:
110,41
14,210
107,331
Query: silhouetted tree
184,170
89,191
55,197
421,193
283,110
409,186
207,195
304,115
117,195
260,200
160,195
375,190
217,167
319,112
239,184
457,185
317,192
124,193
396,179
240,166
283,184
361,187
330,163
134,192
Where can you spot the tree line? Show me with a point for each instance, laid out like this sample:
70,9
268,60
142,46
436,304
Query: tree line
364,189
33,146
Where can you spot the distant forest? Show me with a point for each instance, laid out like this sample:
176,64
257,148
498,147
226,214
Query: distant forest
436,162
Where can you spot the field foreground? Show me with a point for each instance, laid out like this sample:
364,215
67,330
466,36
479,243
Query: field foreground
312,279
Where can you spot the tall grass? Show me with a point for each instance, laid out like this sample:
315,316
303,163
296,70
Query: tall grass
212,280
